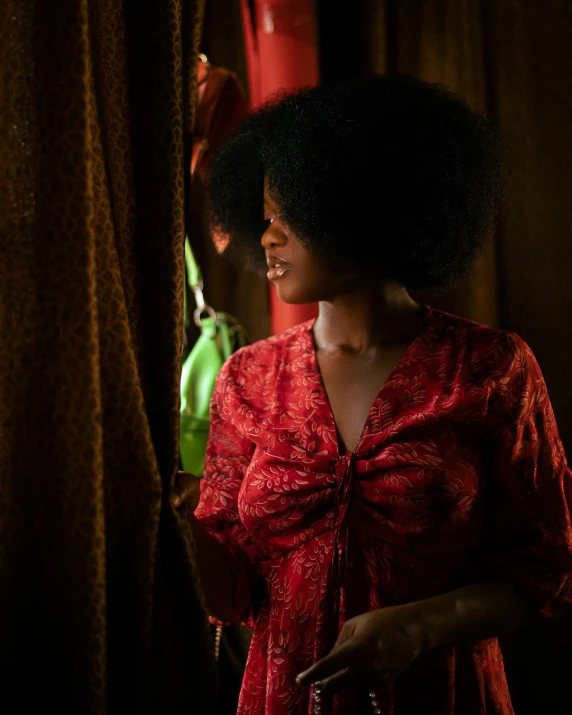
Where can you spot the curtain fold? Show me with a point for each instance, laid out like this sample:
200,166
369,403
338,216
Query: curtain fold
99,609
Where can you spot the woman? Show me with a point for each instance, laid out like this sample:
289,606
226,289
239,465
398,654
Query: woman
385,489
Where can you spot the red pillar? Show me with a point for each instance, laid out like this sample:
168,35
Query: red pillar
281,54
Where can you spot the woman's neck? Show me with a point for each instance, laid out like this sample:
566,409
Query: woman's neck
369,316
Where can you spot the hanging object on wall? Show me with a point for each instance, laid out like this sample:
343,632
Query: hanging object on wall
220,334
231,288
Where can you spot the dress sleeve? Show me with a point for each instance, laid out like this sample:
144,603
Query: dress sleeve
529,493
228,457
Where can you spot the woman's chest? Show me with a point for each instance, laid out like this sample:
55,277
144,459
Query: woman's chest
351,385
419,464
432,482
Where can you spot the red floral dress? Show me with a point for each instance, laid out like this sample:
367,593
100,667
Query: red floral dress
459,471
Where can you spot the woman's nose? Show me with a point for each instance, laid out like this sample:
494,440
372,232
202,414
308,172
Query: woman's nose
273,238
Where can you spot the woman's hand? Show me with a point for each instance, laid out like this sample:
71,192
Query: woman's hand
374,648
186,491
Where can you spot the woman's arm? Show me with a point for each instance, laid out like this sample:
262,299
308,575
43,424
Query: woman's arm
214,574
380,645
227,558
212,566
476,612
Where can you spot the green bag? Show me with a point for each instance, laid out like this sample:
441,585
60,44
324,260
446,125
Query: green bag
220,336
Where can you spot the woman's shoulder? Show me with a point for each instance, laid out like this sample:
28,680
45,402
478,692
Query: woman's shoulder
258,382
489,351
265,357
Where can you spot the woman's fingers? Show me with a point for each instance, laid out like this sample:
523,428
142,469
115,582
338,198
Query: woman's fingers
338,660
186,487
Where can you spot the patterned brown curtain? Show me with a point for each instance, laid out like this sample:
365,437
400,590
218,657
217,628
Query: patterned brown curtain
511,59
99,610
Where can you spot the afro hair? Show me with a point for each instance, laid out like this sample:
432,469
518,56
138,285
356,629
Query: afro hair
385,171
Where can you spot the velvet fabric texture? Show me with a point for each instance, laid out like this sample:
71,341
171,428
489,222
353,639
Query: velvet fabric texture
99,609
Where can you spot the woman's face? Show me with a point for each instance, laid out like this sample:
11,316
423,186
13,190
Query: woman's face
299,274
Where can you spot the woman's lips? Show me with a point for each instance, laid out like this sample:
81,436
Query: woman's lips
277,267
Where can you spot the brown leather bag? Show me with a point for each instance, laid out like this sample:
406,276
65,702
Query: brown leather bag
222,105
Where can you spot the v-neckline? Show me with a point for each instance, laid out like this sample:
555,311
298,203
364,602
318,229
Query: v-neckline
347,453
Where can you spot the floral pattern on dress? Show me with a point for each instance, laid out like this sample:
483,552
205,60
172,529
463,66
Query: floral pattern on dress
459,472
